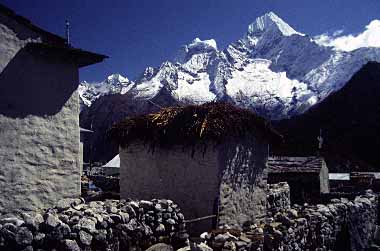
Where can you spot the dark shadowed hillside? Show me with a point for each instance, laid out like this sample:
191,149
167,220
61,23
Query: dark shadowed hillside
350,122
110,109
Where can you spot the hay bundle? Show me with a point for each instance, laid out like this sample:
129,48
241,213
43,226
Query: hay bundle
191,125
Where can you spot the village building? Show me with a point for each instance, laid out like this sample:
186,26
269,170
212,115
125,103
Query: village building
112,167
210,159
308,177
39,115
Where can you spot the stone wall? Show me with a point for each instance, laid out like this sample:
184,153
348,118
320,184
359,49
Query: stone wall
109,225
39,123
278,198
340,225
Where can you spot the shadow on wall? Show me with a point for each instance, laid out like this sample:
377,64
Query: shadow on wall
36,83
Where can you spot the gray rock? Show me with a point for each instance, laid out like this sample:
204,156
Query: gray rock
124,217
64,218
228,246
170,221
15,221
164,203
129,209
116,218
33,221
10,226
61,232
160,229
28,248
146,205
101,235
24,236
51,221
85,238
200,247
132,225
65,204
7,234
39,238
112,209
74,220
70,245
87,224
160,247
158,207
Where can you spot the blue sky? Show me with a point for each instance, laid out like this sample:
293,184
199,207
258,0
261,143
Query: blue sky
140,33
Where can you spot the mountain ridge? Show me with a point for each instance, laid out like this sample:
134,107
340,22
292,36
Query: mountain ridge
272,69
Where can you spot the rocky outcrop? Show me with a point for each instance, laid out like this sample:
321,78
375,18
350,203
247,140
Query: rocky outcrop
97,225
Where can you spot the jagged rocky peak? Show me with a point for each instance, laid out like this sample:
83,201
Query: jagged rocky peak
270,21
148,73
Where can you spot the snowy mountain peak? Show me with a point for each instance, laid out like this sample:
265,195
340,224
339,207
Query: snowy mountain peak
203,44
117,78
114,83
270,21
196,47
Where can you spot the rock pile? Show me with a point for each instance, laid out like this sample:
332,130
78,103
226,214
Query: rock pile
97,225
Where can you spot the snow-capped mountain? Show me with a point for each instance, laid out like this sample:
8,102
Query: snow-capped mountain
115,83
272,69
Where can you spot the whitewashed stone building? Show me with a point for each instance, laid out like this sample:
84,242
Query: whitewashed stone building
39,115
210,159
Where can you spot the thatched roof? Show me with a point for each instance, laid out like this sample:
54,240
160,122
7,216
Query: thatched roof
193,124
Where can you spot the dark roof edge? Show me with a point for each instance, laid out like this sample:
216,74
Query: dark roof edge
85,57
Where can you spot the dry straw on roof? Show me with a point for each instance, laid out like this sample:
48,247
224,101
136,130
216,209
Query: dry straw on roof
190,125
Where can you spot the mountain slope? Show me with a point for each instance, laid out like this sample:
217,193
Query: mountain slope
350,122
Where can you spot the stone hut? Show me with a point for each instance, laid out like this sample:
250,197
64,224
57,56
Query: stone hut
308,177
39,115
210,159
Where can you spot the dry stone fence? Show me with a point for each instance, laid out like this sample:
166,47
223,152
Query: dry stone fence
341,225
110,225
